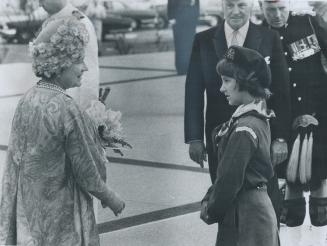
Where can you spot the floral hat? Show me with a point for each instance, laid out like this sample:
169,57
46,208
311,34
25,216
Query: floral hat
59,45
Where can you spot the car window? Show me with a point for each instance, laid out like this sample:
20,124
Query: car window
9,12
18,15
118,6
108,5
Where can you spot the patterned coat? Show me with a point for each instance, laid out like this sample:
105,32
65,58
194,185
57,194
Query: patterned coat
50,174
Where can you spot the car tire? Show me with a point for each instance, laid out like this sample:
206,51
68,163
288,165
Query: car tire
134,25
24,36
122,45
137,24
162,23
103,36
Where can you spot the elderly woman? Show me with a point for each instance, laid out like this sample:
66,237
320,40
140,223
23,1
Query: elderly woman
53,159
238,199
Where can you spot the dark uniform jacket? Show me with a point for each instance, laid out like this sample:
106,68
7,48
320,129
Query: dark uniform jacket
174,7
308,81
244,167
208,48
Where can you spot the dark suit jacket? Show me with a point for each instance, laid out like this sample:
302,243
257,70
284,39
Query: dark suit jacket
208,48
174,7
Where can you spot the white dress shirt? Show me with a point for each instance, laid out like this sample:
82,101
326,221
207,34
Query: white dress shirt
89,89
241,33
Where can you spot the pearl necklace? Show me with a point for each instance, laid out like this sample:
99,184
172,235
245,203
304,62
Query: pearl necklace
50,86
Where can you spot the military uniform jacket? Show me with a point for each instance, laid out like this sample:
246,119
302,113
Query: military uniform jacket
303,42
174,7
208,48
308,80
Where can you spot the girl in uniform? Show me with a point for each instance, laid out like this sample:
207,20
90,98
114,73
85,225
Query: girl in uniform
238,199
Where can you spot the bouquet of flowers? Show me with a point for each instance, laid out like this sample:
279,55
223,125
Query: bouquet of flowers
108,124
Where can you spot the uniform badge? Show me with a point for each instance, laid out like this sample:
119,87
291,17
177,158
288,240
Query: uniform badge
304,47
225,127
230,54
304,121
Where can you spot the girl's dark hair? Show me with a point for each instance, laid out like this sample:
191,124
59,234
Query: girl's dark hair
247,81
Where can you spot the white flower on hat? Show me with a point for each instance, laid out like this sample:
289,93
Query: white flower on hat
267,59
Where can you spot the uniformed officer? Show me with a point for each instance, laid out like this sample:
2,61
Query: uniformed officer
303,41
185,14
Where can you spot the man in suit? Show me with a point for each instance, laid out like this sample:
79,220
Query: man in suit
208,48
184,14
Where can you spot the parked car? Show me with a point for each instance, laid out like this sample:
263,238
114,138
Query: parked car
16,26
114,23
163,22
161,9
159,6
141,17
212,8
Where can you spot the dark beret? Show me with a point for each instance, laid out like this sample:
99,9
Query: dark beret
252,62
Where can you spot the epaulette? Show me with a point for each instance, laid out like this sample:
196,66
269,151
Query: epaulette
246,129
303,12
78,14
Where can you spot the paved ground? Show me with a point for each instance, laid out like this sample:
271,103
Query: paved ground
161,186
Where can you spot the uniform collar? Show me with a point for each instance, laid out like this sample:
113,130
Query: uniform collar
257,106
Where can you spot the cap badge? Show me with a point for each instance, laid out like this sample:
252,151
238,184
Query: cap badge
230,54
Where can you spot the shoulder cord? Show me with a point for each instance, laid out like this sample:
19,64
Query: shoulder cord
313,29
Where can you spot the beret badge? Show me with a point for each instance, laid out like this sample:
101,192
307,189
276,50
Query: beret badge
230,55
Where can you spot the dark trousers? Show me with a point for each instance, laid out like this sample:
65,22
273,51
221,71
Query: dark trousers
184,31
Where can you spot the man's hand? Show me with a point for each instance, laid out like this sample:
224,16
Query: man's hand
278,151
204,214
198,152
